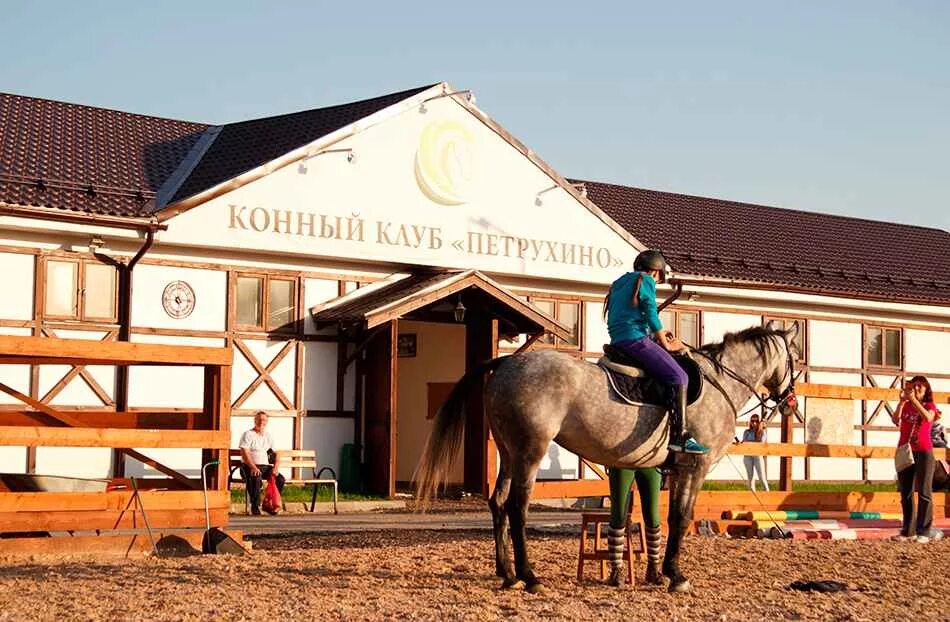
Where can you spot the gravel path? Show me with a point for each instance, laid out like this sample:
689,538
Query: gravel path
449,575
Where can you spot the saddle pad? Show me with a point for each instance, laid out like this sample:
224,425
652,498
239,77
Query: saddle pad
646,389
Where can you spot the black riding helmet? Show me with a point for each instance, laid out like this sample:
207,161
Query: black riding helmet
651,259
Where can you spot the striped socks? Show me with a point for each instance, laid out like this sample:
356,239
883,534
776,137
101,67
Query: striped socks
615,538
653,544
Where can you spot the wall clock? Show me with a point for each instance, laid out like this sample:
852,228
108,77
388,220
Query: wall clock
178,299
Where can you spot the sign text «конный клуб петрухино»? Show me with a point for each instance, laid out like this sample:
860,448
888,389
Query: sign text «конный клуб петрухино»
387,233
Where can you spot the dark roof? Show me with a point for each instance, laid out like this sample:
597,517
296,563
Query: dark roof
100,161
241,147
819,253
89,159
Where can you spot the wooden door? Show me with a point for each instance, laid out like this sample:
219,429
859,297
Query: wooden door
380,413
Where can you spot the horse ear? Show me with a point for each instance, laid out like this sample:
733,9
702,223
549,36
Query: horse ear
774,325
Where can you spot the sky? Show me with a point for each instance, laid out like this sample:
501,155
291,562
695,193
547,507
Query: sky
835,106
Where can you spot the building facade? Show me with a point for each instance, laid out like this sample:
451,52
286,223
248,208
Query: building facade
456,242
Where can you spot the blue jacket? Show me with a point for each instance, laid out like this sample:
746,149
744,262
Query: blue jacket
624,321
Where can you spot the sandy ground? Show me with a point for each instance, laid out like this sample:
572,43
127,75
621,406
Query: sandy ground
449,575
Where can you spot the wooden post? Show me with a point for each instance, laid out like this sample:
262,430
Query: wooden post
785,464
481,344
379,473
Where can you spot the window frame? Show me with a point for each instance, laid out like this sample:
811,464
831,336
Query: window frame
803,360
675,328
265,302
866,343
557,343
80,291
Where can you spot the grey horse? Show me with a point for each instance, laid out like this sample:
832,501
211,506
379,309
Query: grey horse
537,397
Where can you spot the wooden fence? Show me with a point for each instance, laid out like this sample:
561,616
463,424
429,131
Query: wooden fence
172,504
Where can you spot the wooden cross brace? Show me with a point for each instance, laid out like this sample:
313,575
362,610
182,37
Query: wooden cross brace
82,372
264,374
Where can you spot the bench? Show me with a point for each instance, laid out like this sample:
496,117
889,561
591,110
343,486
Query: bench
297,460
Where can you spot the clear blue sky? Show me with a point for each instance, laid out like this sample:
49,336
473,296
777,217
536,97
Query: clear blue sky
838,107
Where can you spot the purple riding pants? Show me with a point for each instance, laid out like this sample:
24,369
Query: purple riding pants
655,360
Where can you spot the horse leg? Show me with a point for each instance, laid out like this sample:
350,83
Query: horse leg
684,488
520,492
497,503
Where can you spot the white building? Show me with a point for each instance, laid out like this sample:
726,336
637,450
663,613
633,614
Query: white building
238,235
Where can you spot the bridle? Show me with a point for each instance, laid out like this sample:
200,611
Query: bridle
786,398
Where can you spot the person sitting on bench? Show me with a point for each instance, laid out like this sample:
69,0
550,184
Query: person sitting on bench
257,447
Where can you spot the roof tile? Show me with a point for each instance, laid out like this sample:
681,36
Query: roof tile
838,255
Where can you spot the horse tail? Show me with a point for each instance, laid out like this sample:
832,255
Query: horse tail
445,438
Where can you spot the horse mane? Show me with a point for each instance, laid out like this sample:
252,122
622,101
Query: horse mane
762,337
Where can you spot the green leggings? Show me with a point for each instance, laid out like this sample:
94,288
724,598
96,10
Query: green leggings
648,485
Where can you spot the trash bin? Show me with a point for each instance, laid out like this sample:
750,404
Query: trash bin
349,469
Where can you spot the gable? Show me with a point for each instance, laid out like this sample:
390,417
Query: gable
434,185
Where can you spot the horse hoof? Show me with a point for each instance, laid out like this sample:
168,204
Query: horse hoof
680,587
512,584
653,577
615,578
535,588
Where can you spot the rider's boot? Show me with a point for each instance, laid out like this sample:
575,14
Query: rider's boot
615,542
681,439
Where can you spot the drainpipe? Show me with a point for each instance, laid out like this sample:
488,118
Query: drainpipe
677,290
125,334
125,321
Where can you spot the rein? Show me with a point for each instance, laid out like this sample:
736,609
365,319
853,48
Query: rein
782,399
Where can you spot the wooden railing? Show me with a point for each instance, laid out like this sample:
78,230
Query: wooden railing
37,423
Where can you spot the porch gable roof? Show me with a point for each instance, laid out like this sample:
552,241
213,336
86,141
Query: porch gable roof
403,293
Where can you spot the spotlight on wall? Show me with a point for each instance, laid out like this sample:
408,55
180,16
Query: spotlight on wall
537,198
95,243
350,157
692,297
459,311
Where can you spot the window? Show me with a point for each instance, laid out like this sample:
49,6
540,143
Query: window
264,302
882,347
683,324
800,341
79,289
565,312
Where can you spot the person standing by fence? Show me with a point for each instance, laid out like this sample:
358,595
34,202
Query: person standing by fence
915,415
755,433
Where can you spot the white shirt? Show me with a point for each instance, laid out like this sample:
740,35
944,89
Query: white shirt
257,445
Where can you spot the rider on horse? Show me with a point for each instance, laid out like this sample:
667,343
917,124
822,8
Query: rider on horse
635,328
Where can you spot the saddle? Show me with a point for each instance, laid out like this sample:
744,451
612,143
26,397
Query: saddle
633,385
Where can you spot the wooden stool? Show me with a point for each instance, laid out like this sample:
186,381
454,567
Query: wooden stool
598,550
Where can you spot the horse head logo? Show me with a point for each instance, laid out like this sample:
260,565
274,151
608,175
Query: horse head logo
445,162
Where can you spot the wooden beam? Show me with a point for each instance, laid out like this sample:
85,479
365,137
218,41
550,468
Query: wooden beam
28,350
125,420
571,488
87,521
124,544
820,451
161,468
807,389
42,436
113,500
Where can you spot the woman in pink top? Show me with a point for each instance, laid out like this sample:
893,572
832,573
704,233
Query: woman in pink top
915,415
